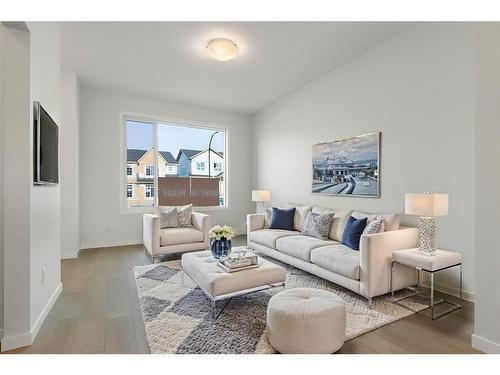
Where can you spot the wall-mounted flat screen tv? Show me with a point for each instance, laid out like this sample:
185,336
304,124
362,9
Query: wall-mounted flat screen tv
46,147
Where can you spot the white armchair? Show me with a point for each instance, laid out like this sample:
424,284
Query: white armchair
159,241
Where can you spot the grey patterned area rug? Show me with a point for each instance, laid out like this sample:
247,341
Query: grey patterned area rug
178,316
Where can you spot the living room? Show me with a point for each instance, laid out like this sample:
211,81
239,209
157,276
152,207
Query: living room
248,187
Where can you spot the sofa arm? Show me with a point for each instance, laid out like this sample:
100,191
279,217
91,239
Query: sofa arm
151,233
375,261
201,222
254,222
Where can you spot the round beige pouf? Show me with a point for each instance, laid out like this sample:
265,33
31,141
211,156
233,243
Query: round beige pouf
305,320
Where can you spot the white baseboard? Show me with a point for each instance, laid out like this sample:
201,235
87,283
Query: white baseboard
27,338
70,254
485,345
452,291
109,244
41,318
18,341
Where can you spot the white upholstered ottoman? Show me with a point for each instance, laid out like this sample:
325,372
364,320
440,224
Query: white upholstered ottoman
305,320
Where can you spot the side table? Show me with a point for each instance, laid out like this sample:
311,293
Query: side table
442,260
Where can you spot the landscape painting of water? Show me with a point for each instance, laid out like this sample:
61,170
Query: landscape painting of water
347,167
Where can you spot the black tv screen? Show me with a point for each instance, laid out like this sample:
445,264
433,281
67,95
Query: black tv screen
46,154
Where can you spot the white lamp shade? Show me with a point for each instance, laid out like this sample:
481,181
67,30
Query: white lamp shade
426,204
261,195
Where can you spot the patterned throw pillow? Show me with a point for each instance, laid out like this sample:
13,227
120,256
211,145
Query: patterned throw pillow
376,226
317,225
168,218
268,217
184,216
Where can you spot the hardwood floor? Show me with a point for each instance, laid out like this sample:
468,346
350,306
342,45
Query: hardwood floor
98,312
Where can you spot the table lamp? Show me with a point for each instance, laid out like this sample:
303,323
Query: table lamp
427,206
261,196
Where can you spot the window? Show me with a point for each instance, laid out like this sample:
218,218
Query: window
200,166
149,191
174,164
149,170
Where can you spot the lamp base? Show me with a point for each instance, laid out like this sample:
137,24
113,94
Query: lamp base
427,234
260,207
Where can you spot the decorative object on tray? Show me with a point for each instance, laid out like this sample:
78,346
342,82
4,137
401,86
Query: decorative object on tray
239,261
347,167
221,240
427,206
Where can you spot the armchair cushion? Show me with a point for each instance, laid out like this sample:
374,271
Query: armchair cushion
178,236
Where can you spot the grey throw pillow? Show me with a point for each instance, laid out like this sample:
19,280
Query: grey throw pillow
317,225
376,226
184,216
168,218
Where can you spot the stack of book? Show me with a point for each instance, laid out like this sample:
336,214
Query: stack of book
238,263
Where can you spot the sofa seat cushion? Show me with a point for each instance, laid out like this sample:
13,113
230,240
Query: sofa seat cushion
300,246
178,236
268,237
339,259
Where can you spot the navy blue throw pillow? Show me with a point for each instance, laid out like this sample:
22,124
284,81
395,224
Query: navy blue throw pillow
353,231
282,218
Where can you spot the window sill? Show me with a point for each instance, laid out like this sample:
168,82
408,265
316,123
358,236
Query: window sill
152,210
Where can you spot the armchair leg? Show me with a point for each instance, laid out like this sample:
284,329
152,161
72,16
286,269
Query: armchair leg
370,303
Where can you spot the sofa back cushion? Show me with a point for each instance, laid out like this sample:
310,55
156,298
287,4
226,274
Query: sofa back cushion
283,218
317,225
391,221
340,218
301,212
353,231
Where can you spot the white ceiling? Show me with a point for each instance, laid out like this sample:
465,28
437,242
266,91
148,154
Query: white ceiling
168,60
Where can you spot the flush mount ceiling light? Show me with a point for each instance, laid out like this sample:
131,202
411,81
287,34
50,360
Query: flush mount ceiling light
222,49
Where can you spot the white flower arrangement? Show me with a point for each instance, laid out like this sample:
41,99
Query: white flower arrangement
218,232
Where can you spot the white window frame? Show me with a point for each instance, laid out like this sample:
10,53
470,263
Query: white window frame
133,192
200,166
156,120
147,187
151,168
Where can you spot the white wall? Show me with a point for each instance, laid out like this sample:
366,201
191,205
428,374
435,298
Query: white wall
417,89
487,307
70,165
101,223
1,177
45,219
16,186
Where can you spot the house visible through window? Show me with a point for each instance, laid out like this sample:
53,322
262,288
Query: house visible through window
182,164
